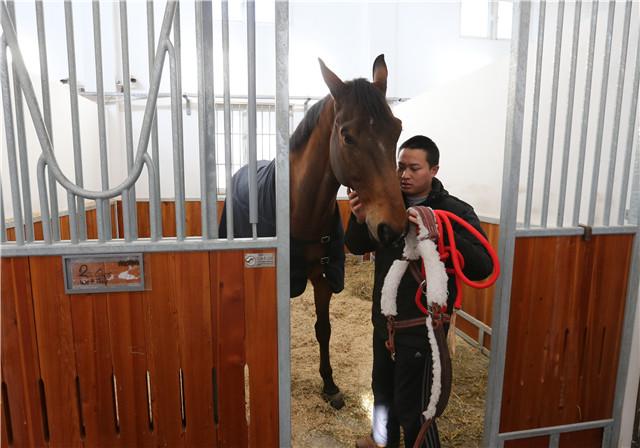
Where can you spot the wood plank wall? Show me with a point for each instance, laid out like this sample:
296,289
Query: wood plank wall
193,223
204,321
479,302
567,308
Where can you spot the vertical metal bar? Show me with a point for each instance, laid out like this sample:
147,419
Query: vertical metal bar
606,437
552,116
44,207
585,114
22,143
535,114
634,208
631,133
251,111
176,134
104,224
593,200
46,107
154,199
228,157
3,226
178,156
630,309
100,219
608,203
282,220
155,151
75,116
11,143
554,440
206,120
129,197
509,207
73,220
569,118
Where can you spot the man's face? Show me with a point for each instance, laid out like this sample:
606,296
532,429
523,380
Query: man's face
414,172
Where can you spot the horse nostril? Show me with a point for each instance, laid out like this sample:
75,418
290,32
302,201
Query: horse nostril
387,235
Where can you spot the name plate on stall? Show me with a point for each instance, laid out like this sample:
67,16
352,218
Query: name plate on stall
86,274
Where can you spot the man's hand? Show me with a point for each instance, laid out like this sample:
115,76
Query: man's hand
356,206
425,220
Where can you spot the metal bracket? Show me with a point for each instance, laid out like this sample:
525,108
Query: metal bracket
588,232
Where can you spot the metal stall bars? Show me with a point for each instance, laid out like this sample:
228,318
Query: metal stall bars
50,165
26,245
606,215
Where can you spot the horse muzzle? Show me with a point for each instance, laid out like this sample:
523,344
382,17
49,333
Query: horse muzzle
389,237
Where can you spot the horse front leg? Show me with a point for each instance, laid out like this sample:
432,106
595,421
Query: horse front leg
322,297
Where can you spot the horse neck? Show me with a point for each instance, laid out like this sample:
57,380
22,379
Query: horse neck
313,184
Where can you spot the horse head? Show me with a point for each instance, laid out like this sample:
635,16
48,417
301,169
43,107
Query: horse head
363,149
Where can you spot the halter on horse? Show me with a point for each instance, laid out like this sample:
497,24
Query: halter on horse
347,138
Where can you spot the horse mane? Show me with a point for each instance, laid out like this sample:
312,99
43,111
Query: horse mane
360,92
305,128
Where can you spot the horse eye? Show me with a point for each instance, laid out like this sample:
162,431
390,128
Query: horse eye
348,140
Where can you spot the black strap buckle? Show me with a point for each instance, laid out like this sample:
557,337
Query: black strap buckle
324,260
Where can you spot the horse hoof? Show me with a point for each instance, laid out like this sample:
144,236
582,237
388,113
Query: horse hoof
335,400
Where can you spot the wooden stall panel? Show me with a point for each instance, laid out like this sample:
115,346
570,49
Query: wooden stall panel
229,299
193,291
193,220
584,439
564,331
261,332
93,361
479,302
164,346
22,425
128,333
52,311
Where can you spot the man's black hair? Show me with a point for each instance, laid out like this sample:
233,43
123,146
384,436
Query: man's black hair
427,145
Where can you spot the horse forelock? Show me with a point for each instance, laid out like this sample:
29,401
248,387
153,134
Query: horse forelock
364,94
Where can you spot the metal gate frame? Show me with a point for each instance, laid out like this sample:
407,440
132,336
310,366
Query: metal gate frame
25,244
510,229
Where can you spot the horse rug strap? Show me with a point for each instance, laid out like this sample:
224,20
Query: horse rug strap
332,260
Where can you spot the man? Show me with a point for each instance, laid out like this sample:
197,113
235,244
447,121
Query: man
398,385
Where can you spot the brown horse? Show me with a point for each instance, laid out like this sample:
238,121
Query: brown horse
347,138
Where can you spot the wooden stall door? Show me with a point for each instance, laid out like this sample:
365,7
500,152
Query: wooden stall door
190,361
565,324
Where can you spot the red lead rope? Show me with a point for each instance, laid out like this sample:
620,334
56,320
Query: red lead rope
443,219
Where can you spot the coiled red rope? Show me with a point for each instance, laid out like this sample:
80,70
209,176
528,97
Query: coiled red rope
444,218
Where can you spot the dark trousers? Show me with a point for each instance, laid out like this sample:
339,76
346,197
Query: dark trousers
403,386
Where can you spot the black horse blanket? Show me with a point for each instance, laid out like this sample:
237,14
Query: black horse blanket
332,262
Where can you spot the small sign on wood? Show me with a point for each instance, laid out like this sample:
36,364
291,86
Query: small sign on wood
259,260
86,274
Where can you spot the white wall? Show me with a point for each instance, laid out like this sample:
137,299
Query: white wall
466,119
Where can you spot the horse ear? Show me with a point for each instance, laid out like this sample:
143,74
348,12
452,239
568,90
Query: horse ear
380,73
334,83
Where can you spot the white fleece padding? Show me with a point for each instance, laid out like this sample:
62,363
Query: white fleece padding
390,287
436,385
410,251
436,273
